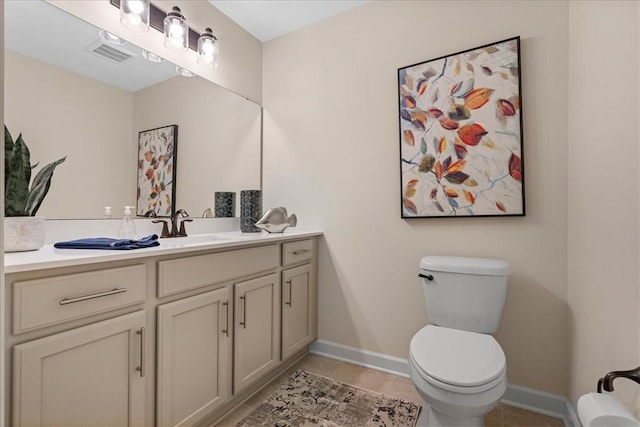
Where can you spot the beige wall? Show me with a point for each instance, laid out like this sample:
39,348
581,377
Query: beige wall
240,67
603,187
48,105
331,156
218,138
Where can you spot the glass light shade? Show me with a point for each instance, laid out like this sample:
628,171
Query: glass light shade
107,37
184,72
208,49
134,14
151,57
176,32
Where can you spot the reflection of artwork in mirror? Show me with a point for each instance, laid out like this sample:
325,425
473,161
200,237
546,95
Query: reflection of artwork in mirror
157,171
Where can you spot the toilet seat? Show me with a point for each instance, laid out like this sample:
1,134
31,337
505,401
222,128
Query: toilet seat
456,360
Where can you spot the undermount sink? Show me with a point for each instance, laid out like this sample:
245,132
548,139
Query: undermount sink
190,240
198,239
235,235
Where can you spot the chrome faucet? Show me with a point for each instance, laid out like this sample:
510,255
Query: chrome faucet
177,227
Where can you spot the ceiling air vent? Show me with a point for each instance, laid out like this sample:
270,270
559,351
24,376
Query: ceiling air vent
110,52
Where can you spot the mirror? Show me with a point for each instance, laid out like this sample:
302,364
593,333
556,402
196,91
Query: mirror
69,93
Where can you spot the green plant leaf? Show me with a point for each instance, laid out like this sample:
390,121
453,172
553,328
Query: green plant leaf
17,180
8,151
40,186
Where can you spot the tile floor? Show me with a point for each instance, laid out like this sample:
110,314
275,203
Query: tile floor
391,385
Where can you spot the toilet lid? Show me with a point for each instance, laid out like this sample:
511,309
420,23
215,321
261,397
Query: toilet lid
459,358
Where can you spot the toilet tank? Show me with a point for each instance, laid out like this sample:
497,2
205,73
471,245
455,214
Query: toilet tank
464,293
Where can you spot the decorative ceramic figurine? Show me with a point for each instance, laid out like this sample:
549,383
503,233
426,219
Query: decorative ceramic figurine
276,220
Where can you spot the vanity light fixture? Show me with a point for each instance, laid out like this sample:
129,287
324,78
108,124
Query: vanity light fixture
208,49
176,32
134,14
107,37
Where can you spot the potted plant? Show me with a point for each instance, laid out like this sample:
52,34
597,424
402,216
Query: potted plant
23,231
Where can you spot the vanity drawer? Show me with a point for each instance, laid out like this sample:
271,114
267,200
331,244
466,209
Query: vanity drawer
44,302
295,252
178,275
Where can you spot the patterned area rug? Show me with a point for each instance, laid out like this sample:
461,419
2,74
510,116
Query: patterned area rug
311,400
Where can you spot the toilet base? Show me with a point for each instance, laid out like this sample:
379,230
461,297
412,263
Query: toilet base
430,418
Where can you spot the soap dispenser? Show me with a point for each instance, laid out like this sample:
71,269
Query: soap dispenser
107,212
127,227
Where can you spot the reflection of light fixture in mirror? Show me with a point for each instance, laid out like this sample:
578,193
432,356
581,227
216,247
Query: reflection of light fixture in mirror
134,14
184,72
151,57
208,49
107,37
176,32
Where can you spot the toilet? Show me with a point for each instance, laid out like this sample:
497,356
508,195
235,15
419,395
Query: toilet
457,367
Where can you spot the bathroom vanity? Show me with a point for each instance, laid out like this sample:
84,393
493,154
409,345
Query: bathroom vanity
177,334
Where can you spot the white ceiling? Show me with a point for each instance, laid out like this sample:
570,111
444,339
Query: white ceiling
268,19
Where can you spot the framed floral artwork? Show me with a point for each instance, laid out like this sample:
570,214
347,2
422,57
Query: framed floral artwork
460,134
157,171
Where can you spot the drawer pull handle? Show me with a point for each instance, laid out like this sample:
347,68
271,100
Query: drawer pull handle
142,352
301,251
290,291
65,301
244,312
226,316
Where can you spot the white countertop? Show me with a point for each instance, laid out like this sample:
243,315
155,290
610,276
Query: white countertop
50,257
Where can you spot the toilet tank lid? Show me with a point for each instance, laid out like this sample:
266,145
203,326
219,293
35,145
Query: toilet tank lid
451,264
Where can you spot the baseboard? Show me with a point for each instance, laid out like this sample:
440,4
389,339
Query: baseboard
541,402
368,359
522,397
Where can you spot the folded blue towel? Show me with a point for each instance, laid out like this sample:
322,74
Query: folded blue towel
109,243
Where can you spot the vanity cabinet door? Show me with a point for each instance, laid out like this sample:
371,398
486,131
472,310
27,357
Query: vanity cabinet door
257,329
298,309
194,357
88,376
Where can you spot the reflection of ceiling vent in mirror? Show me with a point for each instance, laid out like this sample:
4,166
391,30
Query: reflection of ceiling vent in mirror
110,52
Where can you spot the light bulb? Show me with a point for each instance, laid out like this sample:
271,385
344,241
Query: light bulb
176,33
134,19
208,49
136,6
134,14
